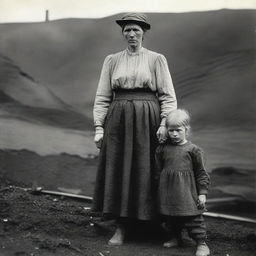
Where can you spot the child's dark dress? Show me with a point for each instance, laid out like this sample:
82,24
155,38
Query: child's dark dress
182,177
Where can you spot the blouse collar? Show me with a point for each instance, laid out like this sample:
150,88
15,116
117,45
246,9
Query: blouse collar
134,53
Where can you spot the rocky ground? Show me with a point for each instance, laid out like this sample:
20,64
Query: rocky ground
47,225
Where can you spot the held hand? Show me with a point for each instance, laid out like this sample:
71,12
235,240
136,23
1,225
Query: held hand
161,134
201,201
98,136
98,139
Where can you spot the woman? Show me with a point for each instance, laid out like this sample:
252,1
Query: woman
134,95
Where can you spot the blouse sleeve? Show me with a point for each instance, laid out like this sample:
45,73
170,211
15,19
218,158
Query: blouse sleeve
166,93
201,176
103,95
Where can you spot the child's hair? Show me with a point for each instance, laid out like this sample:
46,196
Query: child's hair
179,117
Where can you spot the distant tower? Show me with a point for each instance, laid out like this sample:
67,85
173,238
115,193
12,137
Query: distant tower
46,15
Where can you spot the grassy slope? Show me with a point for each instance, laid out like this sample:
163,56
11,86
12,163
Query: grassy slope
210,54
24,98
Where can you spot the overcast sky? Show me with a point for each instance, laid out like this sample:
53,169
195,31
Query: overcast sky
34,10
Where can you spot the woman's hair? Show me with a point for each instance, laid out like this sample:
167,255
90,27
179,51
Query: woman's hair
178,117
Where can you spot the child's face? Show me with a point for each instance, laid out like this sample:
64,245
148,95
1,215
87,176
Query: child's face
177,134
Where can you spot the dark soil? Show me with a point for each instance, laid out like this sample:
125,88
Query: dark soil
46,225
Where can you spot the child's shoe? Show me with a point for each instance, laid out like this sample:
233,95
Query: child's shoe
202,250
171,243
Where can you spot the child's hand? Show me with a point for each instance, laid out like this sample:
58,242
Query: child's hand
201,201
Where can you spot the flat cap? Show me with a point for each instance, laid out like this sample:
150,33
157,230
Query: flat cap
134,17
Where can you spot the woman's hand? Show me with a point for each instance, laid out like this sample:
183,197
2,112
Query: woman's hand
201,201
99,133
161,134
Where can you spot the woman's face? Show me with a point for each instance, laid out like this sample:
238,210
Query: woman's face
134,35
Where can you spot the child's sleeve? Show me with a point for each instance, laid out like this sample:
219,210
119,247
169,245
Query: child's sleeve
201,176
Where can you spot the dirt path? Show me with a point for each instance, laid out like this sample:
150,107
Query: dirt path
46,225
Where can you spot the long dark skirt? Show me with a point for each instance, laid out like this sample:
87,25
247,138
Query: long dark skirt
125,178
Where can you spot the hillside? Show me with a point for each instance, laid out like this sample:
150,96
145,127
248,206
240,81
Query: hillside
23,88
210,54
49,73
23,98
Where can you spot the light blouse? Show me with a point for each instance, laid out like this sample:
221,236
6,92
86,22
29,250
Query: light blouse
128,70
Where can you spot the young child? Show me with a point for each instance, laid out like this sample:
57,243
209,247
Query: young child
183,183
